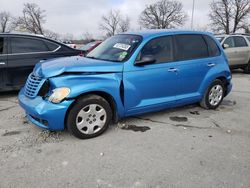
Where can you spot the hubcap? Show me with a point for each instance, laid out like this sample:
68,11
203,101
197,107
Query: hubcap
91,119
215,95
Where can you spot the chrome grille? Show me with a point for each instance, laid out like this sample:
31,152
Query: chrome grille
33,85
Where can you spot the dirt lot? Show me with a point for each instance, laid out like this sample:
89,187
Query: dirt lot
184,147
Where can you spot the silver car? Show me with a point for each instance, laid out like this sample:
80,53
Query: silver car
237,48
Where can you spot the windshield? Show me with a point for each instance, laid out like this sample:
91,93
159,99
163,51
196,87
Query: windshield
117,48
220,38
88,46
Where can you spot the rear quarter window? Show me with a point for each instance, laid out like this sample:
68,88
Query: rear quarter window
213,49
52,46
190,47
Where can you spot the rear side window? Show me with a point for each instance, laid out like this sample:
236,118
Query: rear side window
27,45
161,48
1,45
52,46
213,49
191,47
240,42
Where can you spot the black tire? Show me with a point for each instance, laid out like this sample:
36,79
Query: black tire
206,101
247,68
80,106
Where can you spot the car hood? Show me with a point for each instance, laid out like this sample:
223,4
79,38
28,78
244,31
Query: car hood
75,64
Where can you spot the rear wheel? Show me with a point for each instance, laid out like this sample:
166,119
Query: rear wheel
247,68
89,117
214,95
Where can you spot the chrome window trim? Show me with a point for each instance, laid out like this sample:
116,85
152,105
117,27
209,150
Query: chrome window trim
59,46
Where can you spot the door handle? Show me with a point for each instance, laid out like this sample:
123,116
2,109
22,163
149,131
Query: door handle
172,70
210,64
2,63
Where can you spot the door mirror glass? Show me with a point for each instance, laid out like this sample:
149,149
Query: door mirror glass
145,60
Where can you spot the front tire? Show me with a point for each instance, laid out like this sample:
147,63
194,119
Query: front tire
214,95
247,68
89,117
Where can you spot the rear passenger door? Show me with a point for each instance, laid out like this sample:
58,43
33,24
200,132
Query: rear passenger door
242,50
193,64
3,60
25,52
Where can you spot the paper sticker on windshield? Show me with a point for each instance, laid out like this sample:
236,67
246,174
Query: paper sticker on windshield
122,46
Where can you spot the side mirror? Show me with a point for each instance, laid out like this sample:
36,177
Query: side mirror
225,46
145,60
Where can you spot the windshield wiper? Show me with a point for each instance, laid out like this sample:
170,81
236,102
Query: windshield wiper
91,57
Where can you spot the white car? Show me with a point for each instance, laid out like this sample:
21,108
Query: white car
237,49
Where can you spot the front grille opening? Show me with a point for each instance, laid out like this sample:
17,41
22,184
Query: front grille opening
44,89
42,121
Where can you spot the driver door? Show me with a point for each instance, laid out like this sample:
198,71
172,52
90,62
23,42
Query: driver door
151,87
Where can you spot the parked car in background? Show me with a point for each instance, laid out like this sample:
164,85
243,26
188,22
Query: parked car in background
70,44
20,52
90,46
127,75
237,48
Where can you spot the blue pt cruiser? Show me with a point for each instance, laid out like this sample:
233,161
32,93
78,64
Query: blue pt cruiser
128,74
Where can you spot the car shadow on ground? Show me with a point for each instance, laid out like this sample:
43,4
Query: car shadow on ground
8,94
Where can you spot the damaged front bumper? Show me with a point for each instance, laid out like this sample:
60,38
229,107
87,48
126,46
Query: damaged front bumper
43,113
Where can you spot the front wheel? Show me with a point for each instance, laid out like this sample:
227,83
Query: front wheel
89,117
247,68
214,95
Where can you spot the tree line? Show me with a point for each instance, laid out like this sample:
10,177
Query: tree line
226,16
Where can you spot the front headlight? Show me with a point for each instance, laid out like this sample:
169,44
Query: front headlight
59,94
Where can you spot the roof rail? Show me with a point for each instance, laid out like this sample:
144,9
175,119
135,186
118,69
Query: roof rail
246,34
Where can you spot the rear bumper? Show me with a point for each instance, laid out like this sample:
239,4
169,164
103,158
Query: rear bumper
43,113
229,88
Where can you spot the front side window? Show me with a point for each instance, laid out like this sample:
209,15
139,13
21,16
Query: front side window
248,38
117,48
191,47
1,45
160,48
230,42
27,45
240,42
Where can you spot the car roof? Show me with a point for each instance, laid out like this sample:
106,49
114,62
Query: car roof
234,34
158,32
31,35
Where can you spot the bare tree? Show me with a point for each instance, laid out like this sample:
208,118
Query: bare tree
124,25
6,21
32,19
241,10
52,35
87,37
220,15
229,15
163,14
113,23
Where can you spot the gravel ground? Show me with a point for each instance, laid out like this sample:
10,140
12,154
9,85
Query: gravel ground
183,147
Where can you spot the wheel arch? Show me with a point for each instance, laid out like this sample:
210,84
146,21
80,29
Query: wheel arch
109,98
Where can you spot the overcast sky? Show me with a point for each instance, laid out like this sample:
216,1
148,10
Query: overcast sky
80,16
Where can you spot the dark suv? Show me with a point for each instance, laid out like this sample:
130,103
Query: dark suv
20,52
